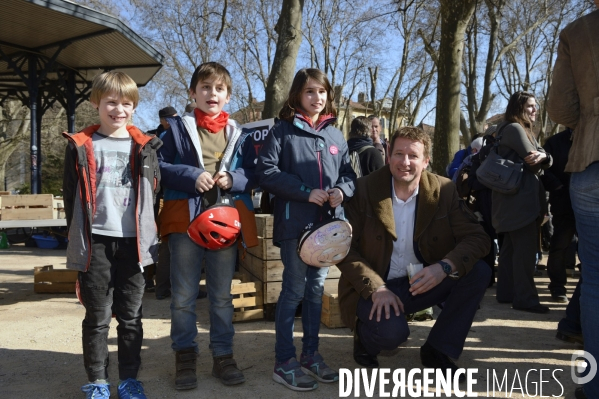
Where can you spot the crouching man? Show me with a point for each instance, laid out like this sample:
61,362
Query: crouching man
402,214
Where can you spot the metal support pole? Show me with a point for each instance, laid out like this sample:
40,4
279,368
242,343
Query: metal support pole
71,102
40,153
33,93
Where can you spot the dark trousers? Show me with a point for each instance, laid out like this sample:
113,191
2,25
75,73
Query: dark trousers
560,253
449,333
571,323
517,259
113,284
163,269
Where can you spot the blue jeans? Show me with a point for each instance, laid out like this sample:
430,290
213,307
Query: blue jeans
187,260
300,282
584,192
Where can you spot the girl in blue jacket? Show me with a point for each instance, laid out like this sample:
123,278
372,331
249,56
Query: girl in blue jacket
305,164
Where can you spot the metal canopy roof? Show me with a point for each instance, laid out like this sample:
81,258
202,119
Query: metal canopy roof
50,50
76,37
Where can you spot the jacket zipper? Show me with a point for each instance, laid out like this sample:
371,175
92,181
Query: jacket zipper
135,165
320,175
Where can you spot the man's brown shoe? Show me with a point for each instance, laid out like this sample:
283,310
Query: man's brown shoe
225,368
185,376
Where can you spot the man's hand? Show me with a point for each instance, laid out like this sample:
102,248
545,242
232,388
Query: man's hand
335,197
319,197
429,277
384,298
223,180
204,182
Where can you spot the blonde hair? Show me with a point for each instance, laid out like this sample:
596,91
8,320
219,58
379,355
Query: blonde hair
115,82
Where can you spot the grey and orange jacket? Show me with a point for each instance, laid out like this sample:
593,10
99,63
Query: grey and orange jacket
79,189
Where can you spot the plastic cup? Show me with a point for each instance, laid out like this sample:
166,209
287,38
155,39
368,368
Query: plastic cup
414,268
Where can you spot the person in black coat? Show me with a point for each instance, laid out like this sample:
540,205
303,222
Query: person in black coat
557,182
360,142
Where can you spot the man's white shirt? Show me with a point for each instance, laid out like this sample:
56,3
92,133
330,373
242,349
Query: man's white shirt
404,213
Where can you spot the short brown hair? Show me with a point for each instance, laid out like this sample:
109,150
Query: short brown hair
413,133
360,127
209,70
115,82
294,100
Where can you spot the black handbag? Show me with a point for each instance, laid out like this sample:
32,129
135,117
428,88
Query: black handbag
500,174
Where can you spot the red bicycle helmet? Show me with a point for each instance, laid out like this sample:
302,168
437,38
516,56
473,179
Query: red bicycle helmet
216,228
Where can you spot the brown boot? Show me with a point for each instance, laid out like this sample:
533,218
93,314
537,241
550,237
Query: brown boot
225,368
185,377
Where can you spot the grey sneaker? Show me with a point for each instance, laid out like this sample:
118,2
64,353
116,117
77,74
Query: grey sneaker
290,374
316,367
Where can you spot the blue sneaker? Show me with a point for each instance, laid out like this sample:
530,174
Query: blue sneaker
291,375
131,389
96,391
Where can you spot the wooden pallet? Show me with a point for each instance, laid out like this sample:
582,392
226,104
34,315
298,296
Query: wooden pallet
331,315
247,298
247,301
26,207
46,279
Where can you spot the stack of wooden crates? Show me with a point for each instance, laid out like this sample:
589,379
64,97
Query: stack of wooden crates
263,264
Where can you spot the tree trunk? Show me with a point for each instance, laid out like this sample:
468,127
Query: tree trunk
281,75
455,17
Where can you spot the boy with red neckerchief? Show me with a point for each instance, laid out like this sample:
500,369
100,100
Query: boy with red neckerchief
206,158
111,178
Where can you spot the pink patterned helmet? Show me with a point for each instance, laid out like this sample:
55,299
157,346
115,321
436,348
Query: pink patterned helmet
326,243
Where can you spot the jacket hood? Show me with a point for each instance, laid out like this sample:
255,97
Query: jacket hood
355,143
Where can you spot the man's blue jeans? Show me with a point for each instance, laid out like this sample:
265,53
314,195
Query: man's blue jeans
300,282
584,192
187,260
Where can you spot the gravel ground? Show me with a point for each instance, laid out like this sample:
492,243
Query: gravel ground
41,356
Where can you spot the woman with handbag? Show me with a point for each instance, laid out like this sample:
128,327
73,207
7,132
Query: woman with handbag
517,215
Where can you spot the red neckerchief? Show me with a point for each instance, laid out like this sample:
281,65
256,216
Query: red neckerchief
308,120
213,125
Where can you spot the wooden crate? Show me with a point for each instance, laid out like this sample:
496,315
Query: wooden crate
331,315
58,208
272,270
264,225
265,249
272,289
26,207
46,279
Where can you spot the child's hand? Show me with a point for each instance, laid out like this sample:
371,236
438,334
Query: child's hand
319,197
335,197
223,180
204,182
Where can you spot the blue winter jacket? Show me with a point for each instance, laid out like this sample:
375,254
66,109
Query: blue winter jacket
181,163
295,159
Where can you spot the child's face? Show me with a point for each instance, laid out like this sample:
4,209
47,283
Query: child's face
314,98
211,95
115,112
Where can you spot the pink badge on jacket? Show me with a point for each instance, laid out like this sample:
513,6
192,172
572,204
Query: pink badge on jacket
333,150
